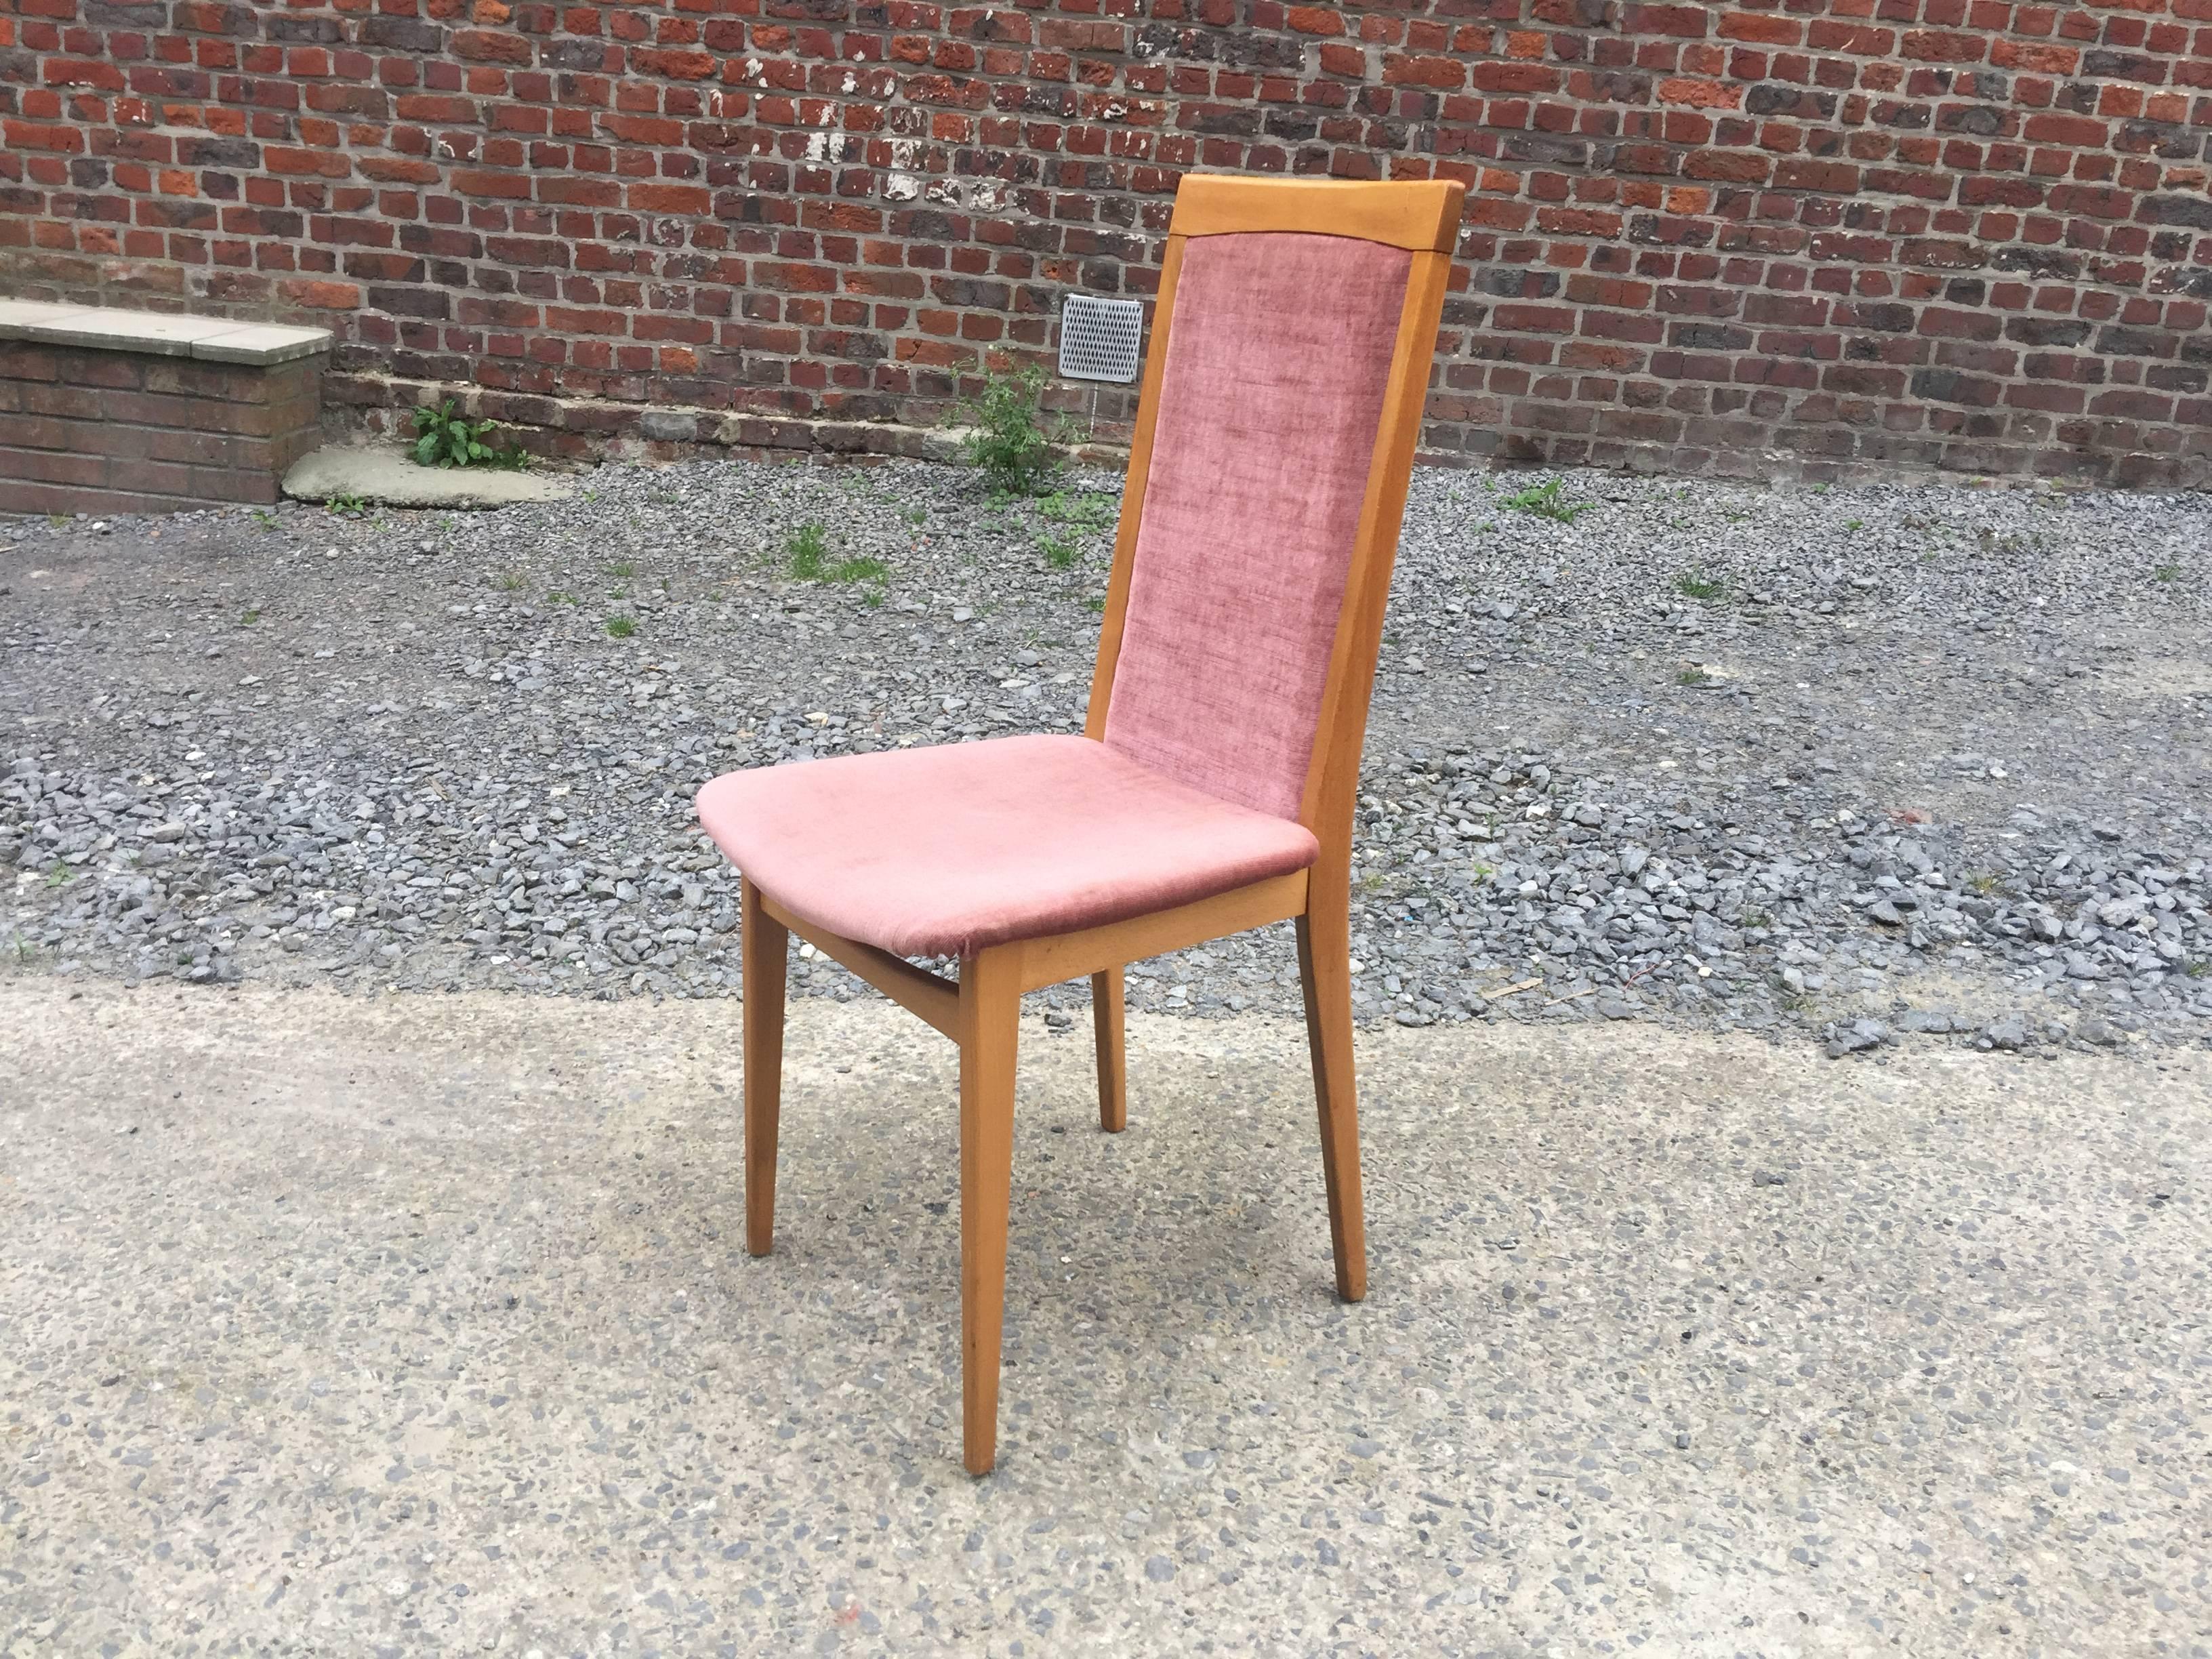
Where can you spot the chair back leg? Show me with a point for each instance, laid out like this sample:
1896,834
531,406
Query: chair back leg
989,1028
1107,1017
1324,967
764,959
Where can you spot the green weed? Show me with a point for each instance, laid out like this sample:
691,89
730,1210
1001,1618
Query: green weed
1059,551
621,627
808,552
1548,501
443,438
1008,441
347,507
1087,512
1693,585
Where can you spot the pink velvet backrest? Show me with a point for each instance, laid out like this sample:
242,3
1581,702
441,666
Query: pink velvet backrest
1270,401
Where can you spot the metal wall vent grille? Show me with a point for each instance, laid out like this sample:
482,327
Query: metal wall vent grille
1101,339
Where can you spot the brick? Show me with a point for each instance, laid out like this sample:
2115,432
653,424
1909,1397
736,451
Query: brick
1847,232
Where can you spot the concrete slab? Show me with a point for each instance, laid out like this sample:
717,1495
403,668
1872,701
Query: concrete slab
262,342
154,333
19,317
424,1323
390,477
106,328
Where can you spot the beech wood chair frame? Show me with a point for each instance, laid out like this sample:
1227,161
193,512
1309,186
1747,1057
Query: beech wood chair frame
980,1012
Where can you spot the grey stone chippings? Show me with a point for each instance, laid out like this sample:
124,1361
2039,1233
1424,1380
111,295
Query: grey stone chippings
1712,755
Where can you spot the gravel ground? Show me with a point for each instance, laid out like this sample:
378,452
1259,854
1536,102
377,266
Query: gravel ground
405,1326
1860,765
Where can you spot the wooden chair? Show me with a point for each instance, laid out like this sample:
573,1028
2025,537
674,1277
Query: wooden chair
1213,789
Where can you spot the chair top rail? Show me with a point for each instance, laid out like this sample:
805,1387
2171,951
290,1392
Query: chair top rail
1421,215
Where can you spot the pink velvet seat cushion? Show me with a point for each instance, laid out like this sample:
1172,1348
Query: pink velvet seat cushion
949,850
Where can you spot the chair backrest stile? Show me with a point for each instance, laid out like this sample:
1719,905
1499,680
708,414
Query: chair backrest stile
1420,219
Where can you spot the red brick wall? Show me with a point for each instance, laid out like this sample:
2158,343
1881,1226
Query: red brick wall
1821,236
92,431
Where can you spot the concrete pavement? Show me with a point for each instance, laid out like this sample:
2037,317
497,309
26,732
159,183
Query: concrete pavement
418,1325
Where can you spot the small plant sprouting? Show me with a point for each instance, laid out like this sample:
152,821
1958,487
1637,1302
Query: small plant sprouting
917,516
1694,675
263,519
1984,882
1819,490
1855,523
1007,439
623,569
1695,584
809,553
443,438
347,507
1085,512
2167,573
249,619
57,519
1059,551
1095,602
621,627
808,550
1546,501
862,569
556,597
510,581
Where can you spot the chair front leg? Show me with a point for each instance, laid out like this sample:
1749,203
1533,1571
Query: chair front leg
764,954
989,1026
1106,1020
1324,967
